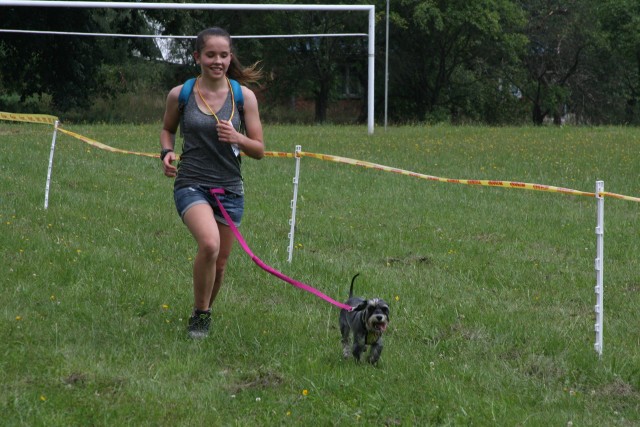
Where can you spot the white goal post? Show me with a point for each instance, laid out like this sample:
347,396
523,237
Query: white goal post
211,6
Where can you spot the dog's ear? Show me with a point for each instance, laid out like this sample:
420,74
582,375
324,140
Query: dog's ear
361,306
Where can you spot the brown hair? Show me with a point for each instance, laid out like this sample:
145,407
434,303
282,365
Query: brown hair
237,71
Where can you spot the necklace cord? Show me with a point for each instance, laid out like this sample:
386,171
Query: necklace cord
233,100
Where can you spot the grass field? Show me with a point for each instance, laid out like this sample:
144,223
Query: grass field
491,290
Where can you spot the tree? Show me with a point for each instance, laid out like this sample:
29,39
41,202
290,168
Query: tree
445,53
559,34
66,67
617,67
313,66
489,61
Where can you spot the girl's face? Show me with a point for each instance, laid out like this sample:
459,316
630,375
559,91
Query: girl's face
215,57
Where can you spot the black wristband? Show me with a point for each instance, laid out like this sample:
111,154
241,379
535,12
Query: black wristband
164,152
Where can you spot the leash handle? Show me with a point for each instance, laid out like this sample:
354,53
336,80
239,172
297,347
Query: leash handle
265,267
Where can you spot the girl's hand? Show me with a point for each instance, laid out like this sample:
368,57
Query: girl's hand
167,164
226,132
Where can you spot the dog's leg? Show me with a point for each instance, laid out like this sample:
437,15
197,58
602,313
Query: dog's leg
345,331
374,353
346,348
359,346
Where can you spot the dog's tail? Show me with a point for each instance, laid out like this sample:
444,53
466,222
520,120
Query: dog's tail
351,288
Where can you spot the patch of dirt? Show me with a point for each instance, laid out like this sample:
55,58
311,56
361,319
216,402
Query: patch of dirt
618,388
75,379
487,238
258,380
407,260
632,287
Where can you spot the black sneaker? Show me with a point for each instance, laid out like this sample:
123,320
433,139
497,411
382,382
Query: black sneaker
199,324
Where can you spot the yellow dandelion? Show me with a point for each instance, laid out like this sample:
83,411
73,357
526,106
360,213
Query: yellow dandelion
165,306
397,298
305,392
43,398
52,297
18,318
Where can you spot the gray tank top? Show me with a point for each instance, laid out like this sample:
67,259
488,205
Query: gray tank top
204,160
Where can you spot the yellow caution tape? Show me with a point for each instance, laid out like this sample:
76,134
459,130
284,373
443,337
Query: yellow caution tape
31,118
620,196
489,183
104,146
47,119
279,154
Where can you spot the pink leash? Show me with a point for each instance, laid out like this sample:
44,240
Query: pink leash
265,267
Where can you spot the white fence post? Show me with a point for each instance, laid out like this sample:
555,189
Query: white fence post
599,264
53,148
294,203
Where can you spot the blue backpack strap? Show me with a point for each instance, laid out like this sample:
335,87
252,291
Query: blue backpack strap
183,98
237,92
239,97
185,92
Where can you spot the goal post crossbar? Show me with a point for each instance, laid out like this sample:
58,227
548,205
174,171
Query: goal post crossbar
193,6
159,36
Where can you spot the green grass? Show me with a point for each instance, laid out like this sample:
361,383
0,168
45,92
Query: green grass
491,289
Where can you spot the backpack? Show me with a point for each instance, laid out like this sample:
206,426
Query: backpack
187,88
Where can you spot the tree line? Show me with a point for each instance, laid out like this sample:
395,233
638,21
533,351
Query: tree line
456,61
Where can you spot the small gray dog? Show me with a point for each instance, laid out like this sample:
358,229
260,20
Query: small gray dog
367,322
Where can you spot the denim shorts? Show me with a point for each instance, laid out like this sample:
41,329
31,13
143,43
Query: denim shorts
187,197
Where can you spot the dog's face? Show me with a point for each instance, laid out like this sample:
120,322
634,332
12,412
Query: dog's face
375,313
